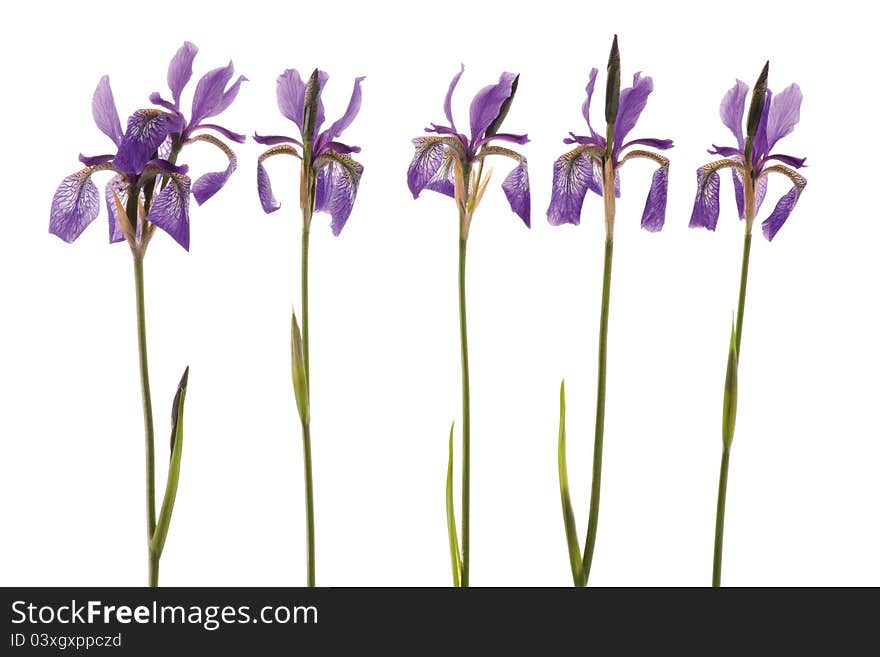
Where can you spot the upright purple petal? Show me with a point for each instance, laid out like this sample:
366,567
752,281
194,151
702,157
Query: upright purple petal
354,106
104,111
147,130
784,114
516,189
632,101
426,162
572,176
732,108
773,223
586,106
654,215
336,189
180,70
707,205
170,209
447,103
75,205
486,105
211,96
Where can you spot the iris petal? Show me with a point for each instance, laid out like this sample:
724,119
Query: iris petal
654,215
572,176
337,186
777,218
732,109
516,189
75,205
488,102
170,209
180,70
707,206
426,162
784,114
104,111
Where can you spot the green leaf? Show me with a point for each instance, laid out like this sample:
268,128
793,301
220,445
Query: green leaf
298,370
728,413
450,519
574,549
164,521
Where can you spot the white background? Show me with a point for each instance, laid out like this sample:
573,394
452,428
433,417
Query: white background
804,492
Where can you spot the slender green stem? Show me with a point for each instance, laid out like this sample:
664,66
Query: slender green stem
306,426
466,419
148,415
725,456
719,518
593,520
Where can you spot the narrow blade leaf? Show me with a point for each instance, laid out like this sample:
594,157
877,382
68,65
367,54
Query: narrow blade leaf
571,538
298,370
450,519
728,422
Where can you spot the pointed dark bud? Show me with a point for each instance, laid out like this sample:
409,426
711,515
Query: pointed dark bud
759,95
612,89
310,108
502,113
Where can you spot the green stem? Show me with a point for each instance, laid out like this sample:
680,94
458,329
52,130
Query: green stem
148,415
593,521
719,518
306,426
725,456
466,418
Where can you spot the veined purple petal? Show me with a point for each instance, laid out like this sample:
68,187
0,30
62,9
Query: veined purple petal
336,188
654,215
232,136
632,101
338,126
732,108
146,131
116,184
180,70
486,105
784,114
660,144
75,205
516,189
104,111
92,160
790,160
773,223
291,94
170,209
586,106
442,183
272,140
707,206
447,103
211,96
572,176
726,151
426,162
264,189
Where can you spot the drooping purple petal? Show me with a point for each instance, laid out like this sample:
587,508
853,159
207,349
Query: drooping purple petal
337,188
707,205
272,140
180,70
291,94
504,136
585,109
632,101
572,176
654,215
210,183
104,111
447,103
486,105
232,136
725,151
426,162
784,114
116,184
338,127
75,205
146,131
659,144
774,222
92,160
211,96
516,189
170,209
345,149
732,108
264,188
790,160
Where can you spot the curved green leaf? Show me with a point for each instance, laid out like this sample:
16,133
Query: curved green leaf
450,519
571,538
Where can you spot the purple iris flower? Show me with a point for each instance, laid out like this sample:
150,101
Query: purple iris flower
583,168
778,117
330,177
145,161
444,161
